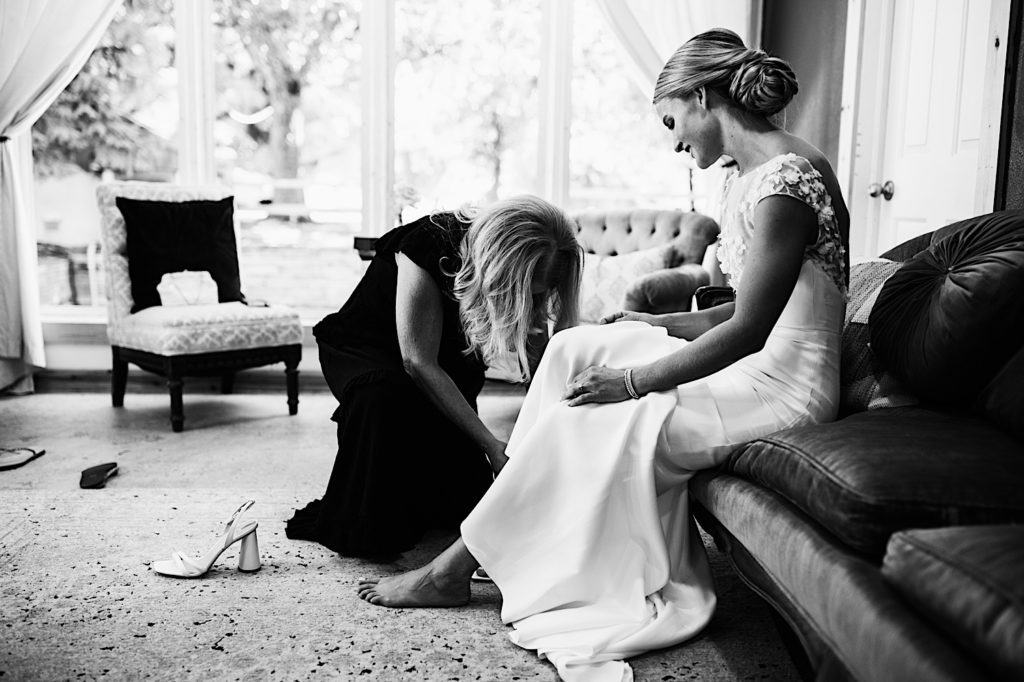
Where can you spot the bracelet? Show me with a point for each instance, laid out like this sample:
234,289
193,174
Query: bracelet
628,378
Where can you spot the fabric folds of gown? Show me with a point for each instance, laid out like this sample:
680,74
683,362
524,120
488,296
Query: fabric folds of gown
593,564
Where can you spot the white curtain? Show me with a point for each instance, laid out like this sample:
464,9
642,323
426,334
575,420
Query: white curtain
43,45
649,31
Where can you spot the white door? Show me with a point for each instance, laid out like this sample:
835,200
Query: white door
926,139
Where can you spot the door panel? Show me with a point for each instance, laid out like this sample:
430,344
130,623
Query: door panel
934,115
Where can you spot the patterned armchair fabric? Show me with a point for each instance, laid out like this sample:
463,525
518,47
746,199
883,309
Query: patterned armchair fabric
209,339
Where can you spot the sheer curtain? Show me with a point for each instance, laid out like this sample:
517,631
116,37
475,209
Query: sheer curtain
649,31
43,45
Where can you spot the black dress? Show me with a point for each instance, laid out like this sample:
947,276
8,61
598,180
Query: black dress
402,466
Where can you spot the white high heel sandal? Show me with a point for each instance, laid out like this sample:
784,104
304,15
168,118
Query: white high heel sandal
180,566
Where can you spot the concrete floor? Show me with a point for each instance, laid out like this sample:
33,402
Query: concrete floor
79,602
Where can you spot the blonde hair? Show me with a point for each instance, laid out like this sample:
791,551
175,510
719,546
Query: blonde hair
718,60
507,244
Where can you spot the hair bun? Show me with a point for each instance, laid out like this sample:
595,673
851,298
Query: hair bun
763,84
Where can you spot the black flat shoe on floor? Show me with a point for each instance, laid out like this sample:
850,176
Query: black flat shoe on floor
96,477
12,458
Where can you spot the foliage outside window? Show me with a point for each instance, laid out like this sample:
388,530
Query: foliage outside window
465,101
288,123
620,153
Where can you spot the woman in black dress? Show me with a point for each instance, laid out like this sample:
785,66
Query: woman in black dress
405,357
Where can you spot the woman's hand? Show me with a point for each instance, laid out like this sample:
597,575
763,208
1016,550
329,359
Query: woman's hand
596,385
628,316
496,456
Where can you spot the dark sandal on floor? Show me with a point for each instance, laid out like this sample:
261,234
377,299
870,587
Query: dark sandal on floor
96,477
12,458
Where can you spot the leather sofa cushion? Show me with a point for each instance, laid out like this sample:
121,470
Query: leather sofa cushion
876,472
967,580
949,319
1002,400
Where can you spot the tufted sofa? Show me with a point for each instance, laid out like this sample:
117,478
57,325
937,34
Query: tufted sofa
889,540
687,234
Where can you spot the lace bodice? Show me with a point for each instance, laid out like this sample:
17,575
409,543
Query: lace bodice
788,175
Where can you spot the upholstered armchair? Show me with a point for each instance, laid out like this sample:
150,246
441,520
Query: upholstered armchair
642,260
169,230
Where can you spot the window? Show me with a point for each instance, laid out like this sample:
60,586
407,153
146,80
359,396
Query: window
117,119
620,153
287,123
465,102
287,133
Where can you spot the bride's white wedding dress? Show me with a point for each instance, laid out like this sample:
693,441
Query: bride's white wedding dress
587,530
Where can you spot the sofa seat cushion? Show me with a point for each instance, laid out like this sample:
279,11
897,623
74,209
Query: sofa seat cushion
182,330
968,581
877,472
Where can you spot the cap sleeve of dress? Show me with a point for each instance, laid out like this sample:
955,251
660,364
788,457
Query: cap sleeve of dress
432,244
791,176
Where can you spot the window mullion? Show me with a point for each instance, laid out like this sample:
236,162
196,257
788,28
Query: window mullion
194,61
377,26
555,95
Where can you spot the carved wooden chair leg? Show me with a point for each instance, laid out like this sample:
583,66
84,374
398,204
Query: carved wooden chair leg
291,372
175,385
227,383
118,377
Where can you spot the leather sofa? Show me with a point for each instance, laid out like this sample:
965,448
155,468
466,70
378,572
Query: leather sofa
887,541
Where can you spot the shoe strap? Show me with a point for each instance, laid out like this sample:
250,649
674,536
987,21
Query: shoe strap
245,506
185,565
231,528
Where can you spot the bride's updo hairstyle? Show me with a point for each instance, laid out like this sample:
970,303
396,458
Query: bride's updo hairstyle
718,60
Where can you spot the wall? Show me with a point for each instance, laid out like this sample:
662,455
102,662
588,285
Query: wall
810,35
1010,177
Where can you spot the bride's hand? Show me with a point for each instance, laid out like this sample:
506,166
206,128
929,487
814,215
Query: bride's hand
596,385
627,316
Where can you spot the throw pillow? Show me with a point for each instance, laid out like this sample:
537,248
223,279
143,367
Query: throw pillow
953,316
171,236
863,383
606,278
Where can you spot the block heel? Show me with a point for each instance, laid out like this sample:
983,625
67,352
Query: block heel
249,554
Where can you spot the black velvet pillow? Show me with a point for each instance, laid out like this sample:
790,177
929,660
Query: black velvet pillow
953,315
172,236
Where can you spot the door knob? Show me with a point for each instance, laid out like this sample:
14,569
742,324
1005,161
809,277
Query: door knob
887,189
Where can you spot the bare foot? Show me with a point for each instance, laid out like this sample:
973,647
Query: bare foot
424,586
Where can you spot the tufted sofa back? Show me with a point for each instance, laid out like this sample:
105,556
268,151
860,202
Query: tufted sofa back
614,232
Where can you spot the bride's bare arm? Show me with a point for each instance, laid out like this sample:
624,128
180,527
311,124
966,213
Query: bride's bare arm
783,228
688,325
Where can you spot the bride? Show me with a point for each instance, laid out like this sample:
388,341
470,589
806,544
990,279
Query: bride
587,531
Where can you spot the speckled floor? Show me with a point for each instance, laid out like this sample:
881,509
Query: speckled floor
78,601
